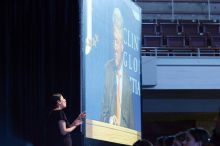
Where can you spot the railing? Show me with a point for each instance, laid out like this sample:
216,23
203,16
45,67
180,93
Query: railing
180,52
181,37
179,9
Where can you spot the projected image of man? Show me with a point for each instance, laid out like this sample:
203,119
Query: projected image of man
117,104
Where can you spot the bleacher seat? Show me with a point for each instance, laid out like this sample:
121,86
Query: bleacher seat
189,27
153,41
149,27
215,41
181,37
175,41
168,27
198,42
210,27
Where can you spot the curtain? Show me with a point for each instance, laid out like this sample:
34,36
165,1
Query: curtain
41,56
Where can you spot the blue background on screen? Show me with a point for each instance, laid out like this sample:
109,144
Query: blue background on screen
102,51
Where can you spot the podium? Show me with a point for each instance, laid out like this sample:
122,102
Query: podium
112,133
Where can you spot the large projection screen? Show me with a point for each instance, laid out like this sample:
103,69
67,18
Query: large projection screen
110,42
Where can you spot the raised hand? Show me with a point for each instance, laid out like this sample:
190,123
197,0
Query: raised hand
77,122
82,115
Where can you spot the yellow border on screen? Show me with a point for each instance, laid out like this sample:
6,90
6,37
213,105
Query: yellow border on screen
112,133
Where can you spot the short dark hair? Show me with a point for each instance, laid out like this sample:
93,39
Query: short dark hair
54,98
200,134
160,140
143,142
168,140
180,136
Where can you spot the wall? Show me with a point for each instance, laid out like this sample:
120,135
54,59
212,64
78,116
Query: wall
166,9
187,73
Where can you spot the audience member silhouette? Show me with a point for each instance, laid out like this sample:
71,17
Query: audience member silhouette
168,141
179,138
143,142
215,138
159,141
196,137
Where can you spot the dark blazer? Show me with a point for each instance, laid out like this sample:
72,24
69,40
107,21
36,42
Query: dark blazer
109,99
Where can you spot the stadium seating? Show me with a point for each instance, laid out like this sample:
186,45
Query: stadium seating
181,37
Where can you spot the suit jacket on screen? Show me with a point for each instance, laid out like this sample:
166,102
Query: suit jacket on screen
109,99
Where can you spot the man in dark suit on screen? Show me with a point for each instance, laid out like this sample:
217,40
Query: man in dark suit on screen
117,104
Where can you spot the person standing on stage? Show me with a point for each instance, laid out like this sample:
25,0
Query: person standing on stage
58,127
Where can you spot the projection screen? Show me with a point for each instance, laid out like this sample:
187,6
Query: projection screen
110,42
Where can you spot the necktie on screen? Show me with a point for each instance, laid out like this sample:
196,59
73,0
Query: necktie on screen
118,105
